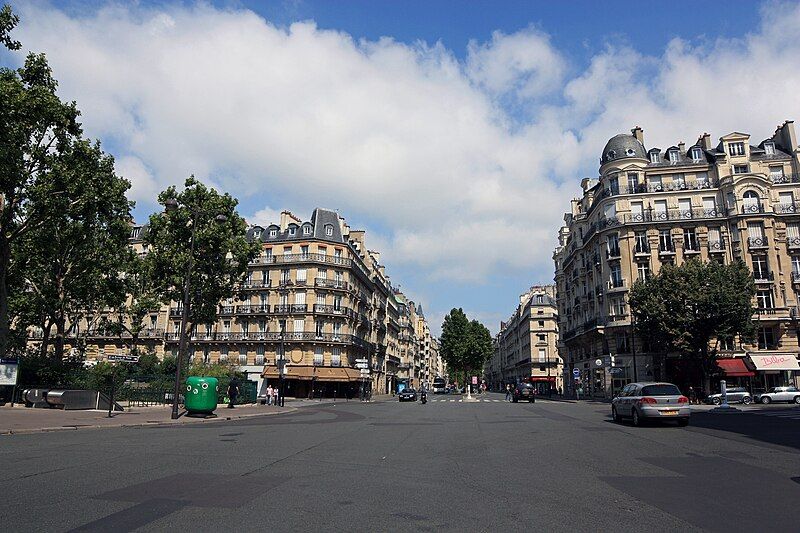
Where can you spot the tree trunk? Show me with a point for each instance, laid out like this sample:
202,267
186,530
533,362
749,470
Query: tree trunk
61,323
5,325
46,326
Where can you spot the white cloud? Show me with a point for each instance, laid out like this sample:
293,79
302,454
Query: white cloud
404,136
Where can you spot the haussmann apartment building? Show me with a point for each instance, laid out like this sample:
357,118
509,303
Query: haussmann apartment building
733,199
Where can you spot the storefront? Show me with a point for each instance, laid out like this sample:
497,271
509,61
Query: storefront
736,373
774,370
316,381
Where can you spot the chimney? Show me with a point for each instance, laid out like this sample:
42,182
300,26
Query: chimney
705,141
786,137
639,134
682,147
287,218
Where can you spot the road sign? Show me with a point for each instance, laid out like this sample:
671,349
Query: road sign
576,372
362,360
474,380
616,371
123,358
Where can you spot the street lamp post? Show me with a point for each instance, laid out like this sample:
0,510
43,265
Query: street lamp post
281,365
172,205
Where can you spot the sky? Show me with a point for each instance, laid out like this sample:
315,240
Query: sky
454,132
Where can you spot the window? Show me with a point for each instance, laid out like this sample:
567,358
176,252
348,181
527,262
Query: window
641,242
306,230
318,356
633,181
714,239
679,181
319,326
245,326
320,299
786,201
287,250
273,232
736,148
206,355
242,356
322,273
616,276
660,210
618,308
769,148
793,234
285,276
637,212
755,232
299,325
262,326
300,298
328,230
223,353
776,171
766,338
337,329
613,245
685,207
654,157
655,183
764,299
336,356
542,355
256,233
674,156
702,179
301,275
304,251
752,204
760,267
541,323
690,240
726,344
259,355
613,184
643,270
665,241
796,264
709,206
541,337
226,326
740,169
697,154
135,233
292,231
622,342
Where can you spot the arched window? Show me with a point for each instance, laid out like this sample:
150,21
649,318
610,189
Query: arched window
752,204
328,230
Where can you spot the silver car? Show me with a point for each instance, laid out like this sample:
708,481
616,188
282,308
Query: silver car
651,401
734,395
780,394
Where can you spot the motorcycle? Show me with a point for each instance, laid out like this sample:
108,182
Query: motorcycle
424,398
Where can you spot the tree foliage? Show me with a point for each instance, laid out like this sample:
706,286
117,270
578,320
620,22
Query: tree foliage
465,344
221,251
688,309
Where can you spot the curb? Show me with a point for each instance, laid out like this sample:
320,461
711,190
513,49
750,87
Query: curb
170,423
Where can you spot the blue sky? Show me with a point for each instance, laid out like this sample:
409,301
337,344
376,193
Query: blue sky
454,132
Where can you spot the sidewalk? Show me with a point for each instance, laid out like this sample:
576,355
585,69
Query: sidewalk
19,419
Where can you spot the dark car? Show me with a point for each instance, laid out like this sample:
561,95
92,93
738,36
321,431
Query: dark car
524,391
407,395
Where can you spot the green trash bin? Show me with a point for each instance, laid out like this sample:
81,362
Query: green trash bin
201,395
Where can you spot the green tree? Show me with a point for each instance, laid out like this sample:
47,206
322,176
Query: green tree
221,251
688,309
74,265
35,125
465,345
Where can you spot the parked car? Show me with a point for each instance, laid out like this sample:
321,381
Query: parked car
407,395
780,394
651,401
735,395
524,391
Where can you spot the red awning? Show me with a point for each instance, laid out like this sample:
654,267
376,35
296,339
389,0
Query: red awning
543,378
735,368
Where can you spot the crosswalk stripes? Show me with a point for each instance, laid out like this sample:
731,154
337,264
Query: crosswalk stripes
790,414
461,400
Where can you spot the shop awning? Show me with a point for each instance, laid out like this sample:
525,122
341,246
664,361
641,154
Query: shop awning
291,372
776,361
735,368
543,378
339,374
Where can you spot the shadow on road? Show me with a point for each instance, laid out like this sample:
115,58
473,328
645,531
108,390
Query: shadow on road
755,426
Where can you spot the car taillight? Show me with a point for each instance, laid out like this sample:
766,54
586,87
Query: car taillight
683,399
647,399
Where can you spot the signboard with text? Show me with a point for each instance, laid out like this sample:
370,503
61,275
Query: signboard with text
8,372
474,380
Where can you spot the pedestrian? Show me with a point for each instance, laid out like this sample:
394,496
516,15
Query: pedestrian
559,391
274,395
233,392
269,395
508,392
692,396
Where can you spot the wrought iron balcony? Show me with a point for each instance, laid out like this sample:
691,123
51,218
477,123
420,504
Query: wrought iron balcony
226,309
757,242
749,209
795,277
793,242
285,309
253,309
716,246
763,277
331,284
786,209
641,249
784,178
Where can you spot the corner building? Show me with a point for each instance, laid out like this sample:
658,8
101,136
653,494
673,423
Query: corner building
651,207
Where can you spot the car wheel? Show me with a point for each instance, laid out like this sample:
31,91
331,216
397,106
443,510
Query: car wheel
747,400
797,399
636,419
615,415
765,400
683,422
716,401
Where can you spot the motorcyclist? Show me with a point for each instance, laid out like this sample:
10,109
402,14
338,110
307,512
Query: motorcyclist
423,396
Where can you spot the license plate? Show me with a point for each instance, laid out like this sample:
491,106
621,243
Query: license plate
669,413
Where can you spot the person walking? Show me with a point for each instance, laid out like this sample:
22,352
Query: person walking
274,395
233,392
269,395
692,396
508,392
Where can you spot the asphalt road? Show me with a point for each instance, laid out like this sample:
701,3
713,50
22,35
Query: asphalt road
444,466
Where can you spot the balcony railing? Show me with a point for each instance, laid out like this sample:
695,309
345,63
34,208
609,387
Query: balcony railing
691,247
749,209
641,248
793,242
784,209
784,178
763,277
283,309
226,309
273,336
795,277
716,246
259,284
757,242
666,248
617,283
331,283
253,309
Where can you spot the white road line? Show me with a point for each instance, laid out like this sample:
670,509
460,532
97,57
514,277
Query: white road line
454,400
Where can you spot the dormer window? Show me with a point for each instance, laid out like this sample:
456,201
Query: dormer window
697,154
256,234
674,157
769,148
292,231
611,154
736,148
135,233
654,157
273,232
329,230
306,230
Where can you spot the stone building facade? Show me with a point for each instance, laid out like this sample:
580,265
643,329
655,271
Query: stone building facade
651,207
526,347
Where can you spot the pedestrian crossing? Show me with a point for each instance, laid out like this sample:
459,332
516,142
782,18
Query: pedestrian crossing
453,400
